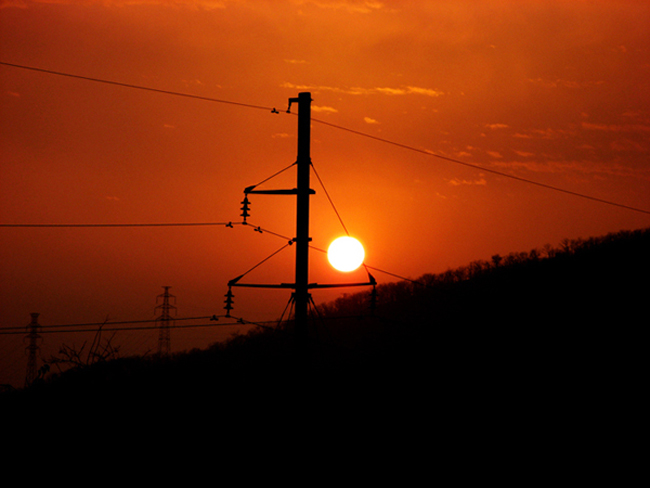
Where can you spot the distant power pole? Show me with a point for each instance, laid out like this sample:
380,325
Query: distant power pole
165,320
32,349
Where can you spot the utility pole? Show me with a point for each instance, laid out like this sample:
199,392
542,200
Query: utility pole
302,295
32,349
164,321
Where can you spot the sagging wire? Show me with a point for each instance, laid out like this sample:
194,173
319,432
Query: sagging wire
263,261
245,209
373,295
161,224
229,295
330,199
269,178
139,87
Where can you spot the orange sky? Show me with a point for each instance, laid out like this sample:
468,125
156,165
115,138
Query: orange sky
553,91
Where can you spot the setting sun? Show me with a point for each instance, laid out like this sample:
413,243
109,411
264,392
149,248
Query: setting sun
345,253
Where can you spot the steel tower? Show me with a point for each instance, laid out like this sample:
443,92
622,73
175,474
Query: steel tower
165,320
32,349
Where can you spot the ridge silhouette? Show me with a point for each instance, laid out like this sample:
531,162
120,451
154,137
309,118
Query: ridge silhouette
566,317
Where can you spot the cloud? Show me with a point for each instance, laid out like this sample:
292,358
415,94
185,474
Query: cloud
363,7
616,128
495,154
576,167
560,83
193,4
457,182
368,120
497,126
316,108
423,91
544,134
407,91
524,154
399,91
319,88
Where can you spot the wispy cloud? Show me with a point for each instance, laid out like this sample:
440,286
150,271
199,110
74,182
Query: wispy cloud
398,91
408,90
524,154
560,83
458,182
583,168
369,120
544,133
353,6
497,126
193,4
616,127
316,108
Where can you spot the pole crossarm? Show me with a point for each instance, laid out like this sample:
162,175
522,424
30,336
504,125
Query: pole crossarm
294,191
340,285
293,285
255,285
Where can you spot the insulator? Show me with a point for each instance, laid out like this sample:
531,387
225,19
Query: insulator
229,296
245,208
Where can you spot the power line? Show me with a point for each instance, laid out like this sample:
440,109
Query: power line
482,168
113,326
126,329
137,87
97,324
264,260
352,131
330,200
171,224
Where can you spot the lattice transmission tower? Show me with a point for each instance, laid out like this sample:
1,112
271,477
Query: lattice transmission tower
32,349
165,320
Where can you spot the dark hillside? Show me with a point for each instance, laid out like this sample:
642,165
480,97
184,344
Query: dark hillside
583,290
567,319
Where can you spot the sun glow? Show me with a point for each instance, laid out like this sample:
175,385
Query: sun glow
345,254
